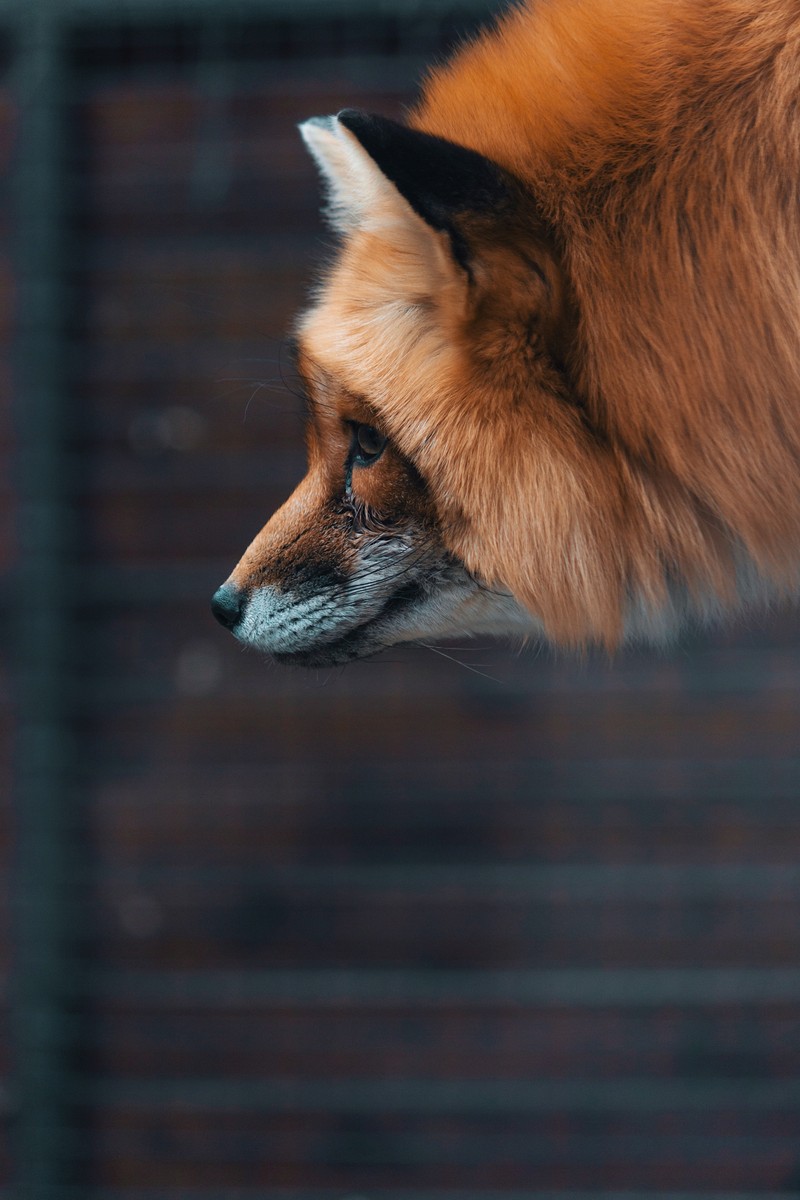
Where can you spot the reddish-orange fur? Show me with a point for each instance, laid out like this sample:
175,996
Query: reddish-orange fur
662,140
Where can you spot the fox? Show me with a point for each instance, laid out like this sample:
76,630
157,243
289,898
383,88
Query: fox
552,371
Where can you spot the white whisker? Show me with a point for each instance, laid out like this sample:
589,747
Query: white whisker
459,663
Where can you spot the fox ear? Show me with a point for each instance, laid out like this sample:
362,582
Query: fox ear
372,164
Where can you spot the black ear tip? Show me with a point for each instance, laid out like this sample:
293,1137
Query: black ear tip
438,178
356,120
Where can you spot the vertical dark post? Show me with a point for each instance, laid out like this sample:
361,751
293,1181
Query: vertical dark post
44,750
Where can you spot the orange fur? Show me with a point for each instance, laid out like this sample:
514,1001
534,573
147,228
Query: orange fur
662,139
554,80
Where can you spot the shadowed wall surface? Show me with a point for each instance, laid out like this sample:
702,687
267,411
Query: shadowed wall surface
496,927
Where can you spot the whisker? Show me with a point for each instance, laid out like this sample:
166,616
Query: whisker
262,385
255,391
459,663
276,383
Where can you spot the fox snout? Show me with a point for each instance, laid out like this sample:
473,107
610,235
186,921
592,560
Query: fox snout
347,566
320,618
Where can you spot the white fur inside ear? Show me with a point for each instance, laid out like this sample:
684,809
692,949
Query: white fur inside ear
359,194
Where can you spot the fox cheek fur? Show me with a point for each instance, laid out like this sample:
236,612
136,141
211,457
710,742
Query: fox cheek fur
567,294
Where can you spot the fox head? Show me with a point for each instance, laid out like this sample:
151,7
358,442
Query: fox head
455,485
444,309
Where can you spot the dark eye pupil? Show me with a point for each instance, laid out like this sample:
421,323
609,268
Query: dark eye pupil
370,441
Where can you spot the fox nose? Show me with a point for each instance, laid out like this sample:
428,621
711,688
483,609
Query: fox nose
226,604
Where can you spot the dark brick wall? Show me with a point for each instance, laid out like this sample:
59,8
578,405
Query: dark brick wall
404,928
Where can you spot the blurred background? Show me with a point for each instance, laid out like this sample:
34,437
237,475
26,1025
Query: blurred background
482,927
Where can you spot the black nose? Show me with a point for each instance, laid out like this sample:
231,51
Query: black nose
226,604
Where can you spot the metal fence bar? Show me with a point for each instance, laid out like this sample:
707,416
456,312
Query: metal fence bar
431,1193
434,1097
581,883
573,987
43,924
192,10
413,1193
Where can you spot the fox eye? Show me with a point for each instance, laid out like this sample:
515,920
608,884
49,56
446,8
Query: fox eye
369,444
